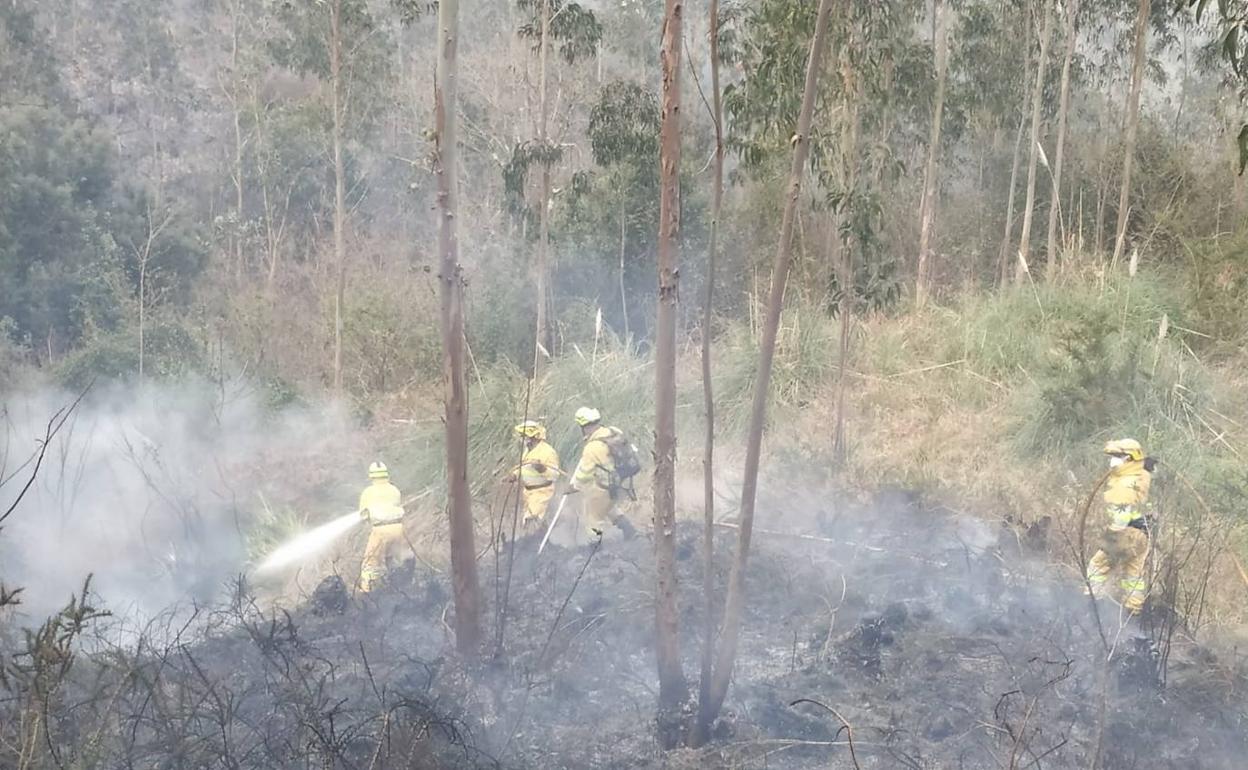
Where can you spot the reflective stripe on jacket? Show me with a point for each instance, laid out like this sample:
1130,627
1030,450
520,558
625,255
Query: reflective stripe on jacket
596,467
1126,492
539,466
383,502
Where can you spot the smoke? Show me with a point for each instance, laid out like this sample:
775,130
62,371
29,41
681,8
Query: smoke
154,490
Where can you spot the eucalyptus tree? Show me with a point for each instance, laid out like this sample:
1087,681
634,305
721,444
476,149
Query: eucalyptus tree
927,206
623,133
673,688
1232,18
1023,268
1131,119
577,33
451,289
1003,258
985,83
1070,12
708,391
339,42
709,709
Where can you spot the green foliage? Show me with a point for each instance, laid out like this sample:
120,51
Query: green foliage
525,155
13,356
55,247
805,360
575,28
624,125
27,65
1219,290
172,351
387,342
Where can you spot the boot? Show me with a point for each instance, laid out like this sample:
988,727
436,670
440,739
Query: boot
625,526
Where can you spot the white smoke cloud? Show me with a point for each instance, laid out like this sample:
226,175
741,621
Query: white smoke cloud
152,491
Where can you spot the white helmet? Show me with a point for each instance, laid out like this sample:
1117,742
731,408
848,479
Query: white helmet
378,470
587,415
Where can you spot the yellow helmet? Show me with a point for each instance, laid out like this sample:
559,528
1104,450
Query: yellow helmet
1128,447
378,470
531,429
587,415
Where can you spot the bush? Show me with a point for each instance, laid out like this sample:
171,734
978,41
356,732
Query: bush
1218,289
171,351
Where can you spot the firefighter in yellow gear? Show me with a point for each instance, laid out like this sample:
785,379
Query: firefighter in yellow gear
594,478
381,505
1125,540
538,471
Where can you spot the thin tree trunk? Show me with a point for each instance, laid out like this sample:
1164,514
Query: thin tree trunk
1133,122
463,553
673,689
927,206
1101,192
1003,261
1033,155
623,247
727,652
708,391
236,105
1063,110
843,257
340,204
543,238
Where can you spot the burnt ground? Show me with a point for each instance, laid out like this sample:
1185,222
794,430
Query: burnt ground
941,641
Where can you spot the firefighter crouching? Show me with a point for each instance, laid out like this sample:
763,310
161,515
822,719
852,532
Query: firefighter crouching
1125,540
380,505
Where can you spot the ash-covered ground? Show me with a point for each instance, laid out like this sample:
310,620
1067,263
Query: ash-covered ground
938,638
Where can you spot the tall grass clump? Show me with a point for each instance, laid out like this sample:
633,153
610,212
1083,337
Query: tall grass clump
806,358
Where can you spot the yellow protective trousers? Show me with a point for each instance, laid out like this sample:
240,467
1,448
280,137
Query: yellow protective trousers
597,507
536,501
1125,552
383,546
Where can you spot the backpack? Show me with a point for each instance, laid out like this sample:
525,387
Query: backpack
625,458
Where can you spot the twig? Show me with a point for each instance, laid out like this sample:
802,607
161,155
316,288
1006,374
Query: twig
849,730
54,426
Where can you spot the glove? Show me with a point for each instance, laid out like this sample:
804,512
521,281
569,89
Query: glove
365,515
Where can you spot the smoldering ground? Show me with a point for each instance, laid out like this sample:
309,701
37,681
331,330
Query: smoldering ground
154,490
941,640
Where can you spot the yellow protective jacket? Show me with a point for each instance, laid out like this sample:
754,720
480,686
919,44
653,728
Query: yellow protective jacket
596,467
381,503
1126,492
539,466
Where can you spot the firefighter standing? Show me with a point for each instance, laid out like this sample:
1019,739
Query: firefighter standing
538,471
382,506
1125,541
595,477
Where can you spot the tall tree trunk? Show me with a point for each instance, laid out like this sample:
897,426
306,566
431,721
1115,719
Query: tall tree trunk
1033,155
543,238
673,690
237,108
727,653
843,253
450,278
623,249
708,391
340,205
1063,110
927,206
1003,260
1132,124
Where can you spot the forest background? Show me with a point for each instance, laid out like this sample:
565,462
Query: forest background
1023,231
